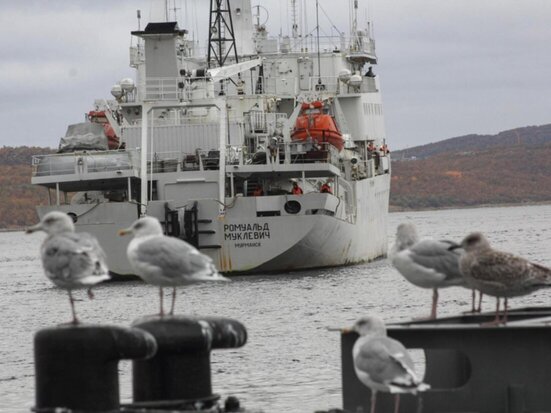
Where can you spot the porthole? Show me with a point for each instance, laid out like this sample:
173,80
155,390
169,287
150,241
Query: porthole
292,207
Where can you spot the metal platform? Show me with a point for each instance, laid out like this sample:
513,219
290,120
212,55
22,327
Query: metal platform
471,368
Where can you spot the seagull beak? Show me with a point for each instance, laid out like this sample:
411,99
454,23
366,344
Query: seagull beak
34,228
123,232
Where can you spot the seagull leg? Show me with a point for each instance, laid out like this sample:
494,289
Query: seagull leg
497,311
373,401
505,312
397,403
479,309
434,303
473,302
496,321
90,293
161,312
173,300
72,301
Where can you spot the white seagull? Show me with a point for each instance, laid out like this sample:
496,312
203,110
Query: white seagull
71,260
166,261
382,363
426,263
500,274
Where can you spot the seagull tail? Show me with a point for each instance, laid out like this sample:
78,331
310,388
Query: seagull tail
211,274
412,388
408,382
94,279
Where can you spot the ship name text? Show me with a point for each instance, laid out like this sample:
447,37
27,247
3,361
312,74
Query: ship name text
246,232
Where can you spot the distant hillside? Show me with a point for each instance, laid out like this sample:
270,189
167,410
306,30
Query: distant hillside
527,136
511,167
18,197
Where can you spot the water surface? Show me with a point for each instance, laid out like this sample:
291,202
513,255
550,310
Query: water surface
290,363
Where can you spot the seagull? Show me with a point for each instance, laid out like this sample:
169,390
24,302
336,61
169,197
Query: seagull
166,261
426,263
382,363
71,260
500,274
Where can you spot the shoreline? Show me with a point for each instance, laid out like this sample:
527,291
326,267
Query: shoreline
394,208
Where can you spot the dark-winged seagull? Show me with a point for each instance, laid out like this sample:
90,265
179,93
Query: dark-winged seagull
500,274
382,363
166,261
426,263
71,260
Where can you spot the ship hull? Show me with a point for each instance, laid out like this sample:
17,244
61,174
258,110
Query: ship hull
241,242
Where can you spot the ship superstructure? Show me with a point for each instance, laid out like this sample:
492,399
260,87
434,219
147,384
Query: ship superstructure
213,147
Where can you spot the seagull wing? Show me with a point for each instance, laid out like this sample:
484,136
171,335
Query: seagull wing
70,263
173,260
387,362
90,245
436,255
509,270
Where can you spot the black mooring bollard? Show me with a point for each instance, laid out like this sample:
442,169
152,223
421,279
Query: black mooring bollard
76,366
181,368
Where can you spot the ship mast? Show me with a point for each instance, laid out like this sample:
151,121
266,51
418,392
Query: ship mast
294,19
221,34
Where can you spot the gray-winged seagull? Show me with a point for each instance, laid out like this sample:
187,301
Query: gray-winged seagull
500,274
166,261
71,260
426,263
382,363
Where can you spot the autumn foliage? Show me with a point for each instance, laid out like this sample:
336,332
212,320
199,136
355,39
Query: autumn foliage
513,174
18,198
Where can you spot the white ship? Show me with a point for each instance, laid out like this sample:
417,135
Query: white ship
213,145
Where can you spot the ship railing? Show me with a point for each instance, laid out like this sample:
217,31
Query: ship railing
268,151
162,89
174,118
335,42
332,84
200,160
182,89
82,162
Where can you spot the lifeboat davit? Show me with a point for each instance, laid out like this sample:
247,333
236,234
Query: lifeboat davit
313,123
100,117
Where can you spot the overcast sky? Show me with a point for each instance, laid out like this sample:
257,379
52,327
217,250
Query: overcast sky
447,67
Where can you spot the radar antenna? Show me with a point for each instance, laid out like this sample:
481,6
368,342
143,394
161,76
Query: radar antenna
221,34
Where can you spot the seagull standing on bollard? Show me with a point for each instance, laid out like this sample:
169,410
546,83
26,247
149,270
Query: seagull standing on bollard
166,261
426,263
382,363
71,260
500,274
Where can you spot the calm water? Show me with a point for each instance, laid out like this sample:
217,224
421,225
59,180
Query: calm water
291,363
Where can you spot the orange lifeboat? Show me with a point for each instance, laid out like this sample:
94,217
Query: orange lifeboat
313,123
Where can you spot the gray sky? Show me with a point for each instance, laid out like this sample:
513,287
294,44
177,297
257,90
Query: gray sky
447,67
